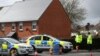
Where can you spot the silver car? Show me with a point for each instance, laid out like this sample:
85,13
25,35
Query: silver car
23,48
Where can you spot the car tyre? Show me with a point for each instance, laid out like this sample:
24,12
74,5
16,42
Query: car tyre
15,51
39,51
66,51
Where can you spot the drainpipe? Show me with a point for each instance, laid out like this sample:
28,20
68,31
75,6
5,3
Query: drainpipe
17,29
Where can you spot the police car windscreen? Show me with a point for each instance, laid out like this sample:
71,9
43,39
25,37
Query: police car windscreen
12,40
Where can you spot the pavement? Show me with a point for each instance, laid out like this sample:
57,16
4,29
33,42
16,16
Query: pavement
74,53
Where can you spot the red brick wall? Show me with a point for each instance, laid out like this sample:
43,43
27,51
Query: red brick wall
25,32
55,21
21,34
7,28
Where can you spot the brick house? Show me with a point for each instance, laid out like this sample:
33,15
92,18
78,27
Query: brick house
30,17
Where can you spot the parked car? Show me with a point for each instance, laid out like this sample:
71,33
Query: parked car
23,48
45,42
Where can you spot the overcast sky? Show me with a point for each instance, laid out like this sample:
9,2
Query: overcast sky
92,7
93,10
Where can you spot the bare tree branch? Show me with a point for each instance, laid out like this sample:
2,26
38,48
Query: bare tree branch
75,12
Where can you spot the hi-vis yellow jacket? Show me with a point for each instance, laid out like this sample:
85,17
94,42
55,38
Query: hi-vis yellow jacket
89,39
78,39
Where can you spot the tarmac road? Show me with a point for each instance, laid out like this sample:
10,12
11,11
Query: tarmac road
74,53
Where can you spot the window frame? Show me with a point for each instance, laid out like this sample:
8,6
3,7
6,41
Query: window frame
20,26
35,26
13,25
3,26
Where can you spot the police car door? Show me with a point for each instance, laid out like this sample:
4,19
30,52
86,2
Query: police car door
45,42
1,42
38,41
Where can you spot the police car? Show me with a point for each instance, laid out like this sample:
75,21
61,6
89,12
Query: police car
23,48
45,42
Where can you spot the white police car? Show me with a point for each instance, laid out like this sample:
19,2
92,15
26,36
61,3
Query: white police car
45,42
23,48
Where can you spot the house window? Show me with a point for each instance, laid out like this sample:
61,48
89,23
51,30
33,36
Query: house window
21,26
34,26
2,26
13,26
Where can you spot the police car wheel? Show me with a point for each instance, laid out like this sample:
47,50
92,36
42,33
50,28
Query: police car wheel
66,51
39,51
12,51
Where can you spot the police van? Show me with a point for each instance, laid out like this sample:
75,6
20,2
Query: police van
45,42
20,48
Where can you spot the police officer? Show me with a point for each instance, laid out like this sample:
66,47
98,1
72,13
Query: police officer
78,40
89,41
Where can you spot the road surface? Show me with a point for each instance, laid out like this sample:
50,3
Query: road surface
74,53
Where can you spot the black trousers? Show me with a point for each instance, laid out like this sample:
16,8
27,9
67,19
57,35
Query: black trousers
78,44
89,47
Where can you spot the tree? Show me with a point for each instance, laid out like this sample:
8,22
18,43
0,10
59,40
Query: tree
76,13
